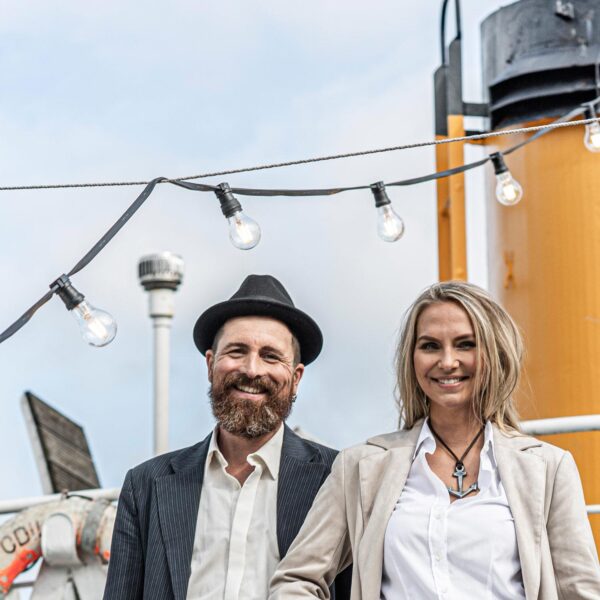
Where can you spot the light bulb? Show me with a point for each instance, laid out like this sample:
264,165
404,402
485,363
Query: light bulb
390,226
591,139
97,327
508,191
244,232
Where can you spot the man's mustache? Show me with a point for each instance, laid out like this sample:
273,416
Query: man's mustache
261,382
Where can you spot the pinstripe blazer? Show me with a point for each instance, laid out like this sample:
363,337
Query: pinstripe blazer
158,507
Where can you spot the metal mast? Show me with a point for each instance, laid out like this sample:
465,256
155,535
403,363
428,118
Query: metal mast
160,275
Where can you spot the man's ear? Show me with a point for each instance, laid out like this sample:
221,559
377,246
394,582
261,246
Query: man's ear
210,359
297,376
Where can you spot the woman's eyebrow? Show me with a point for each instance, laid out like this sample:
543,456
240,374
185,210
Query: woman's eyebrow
427,337
462,336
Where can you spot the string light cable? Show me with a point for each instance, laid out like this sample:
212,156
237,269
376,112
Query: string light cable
559,123
98,327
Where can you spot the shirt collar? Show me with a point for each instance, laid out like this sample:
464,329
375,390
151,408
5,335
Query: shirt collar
426,442
269,454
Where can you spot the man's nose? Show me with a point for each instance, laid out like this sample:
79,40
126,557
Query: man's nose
251,365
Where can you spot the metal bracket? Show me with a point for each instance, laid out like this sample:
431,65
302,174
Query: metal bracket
476,109
59,541
565,10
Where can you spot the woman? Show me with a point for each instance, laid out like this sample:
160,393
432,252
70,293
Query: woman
458,504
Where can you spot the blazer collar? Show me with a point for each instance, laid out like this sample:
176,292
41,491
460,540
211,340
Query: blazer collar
301,472
382,476
178,499
523,475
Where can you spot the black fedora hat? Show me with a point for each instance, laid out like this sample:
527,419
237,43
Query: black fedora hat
264,296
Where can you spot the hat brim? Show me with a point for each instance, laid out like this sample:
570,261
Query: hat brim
305,329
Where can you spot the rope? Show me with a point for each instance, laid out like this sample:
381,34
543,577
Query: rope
304,161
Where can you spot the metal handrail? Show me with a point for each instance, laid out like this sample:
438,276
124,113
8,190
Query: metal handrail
552,426
18,504
562,425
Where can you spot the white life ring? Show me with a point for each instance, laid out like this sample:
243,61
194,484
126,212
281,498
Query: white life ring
20,536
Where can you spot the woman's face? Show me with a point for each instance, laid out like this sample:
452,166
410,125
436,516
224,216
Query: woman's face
445,356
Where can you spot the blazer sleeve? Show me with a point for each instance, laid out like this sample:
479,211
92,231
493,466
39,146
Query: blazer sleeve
322,547
572,547
125,579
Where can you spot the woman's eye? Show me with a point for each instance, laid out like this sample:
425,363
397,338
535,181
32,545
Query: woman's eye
428,346
467,345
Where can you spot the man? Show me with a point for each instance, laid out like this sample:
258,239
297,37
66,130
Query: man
212,521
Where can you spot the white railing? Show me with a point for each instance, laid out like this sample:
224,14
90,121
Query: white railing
565,425
533,427
562,425
13,506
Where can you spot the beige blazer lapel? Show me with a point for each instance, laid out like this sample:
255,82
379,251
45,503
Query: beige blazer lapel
382,478
523,475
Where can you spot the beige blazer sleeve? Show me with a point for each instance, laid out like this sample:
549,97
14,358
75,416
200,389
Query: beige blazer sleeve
322,547
570,536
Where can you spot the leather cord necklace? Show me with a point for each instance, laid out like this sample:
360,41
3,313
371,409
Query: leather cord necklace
459,470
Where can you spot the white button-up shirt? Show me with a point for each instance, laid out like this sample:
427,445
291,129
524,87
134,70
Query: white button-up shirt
235,545
438,550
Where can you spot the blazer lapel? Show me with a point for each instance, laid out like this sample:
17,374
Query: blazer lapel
178,499
523,476
301,472
382,478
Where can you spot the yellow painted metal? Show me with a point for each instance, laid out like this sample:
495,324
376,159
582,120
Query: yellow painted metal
452,239
544,266
443,214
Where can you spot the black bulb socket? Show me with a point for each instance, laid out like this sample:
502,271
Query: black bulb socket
590,112
66,291
381,197
498,162
229,203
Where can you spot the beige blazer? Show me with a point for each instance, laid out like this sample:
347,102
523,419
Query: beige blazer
348,519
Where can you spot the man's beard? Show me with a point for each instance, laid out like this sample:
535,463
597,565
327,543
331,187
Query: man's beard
245,417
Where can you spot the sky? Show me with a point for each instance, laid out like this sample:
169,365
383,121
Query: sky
106,91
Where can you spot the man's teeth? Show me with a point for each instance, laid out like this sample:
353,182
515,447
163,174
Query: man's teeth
450,381
249,389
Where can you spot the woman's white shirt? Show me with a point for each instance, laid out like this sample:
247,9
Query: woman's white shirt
438,550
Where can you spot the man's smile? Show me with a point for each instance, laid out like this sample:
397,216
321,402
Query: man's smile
254,390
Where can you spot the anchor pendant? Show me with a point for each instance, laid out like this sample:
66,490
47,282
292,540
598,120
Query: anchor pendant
460,472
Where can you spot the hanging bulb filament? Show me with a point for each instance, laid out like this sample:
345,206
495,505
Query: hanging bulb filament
96,326
244,232
508,190
390,227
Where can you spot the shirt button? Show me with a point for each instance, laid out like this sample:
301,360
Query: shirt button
438,557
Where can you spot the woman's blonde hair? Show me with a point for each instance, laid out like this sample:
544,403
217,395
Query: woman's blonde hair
500,357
